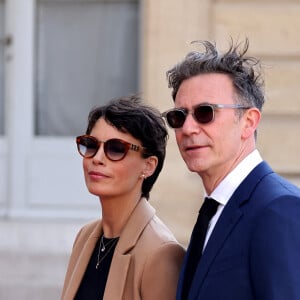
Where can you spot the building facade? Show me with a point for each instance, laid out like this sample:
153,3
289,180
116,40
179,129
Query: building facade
59,58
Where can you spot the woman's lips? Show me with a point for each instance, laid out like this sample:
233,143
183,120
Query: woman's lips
97,175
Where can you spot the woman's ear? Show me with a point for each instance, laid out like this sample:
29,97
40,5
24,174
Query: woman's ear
251,120
150,165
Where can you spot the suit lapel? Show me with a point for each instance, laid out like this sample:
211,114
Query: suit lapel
116,281
226,223
224,227
181,275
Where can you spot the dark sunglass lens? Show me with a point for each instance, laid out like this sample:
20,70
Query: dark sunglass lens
115,149
87,146
176,118
204,114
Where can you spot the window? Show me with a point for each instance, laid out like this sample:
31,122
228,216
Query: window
87,53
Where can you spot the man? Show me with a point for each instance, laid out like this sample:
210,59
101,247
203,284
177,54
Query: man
252,245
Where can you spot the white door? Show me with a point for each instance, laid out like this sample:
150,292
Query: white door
64,57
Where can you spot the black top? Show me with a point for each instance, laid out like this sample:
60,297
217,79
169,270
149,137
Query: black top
94,280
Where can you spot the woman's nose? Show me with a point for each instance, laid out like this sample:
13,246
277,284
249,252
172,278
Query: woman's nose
99,157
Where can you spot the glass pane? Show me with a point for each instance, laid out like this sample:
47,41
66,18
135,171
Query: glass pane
87,53
2,67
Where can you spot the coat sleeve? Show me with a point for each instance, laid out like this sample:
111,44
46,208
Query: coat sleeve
72,261
81,238
275,251
161,272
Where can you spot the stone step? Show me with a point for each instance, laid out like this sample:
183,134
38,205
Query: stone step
33,258
31,276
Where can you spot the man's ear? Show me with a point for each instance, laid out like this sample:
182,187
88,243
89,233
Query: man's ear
251,120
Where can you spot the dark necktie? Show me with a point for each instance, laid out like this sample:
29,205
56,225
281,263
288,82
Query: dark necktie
207,211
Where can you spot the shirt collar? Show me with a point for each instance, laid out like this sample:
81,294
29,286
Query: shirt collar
230,183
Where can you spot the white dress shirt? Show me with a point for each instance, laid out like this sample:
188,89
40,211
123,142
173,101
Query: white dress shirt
229,184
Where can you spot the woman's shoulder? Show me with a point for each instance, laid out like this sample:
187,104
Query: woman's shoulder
158,233
158,244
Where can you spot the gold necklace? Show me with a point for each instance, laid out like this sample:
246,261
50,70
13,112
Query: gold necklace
102,248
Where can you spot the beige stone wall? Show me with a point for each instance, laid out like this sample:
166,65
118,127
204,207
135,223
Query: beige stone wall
273,29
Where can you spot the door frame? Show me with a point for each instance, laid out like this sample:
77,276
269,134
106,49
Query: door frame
44,174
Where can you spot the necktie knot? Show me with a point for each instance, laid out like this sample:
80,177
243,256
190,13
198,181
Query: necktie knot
209,207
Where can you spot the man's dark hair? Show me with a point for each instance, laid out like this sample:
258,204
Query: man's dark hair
243,70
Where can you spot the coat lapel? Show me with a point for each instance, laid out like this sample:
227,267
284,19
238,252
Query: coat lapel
226,223
82,260
116,281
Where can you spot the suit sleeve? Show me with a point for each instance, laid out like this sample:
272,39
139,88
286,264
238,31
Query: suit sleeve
275,252
161,272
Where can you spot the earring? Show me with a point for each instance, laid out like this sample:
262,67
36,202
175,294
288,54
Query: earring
143,176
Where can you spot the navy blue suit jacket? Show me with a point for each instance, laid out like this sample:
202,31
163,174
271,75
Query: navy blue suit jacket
254,249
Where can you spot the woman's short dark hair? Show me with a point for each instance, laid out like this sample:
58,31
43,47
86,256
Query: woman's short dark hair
143,122
243,70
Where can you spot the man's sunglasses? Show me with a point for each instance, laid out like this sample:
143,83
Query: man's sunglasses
114,149
202,113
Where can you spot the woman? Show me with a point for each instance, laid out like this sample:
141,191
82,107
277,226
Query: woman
129,254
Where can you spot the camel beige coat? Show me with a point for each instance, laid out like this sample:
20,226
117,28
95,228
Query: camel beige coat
145,265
